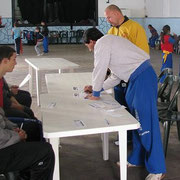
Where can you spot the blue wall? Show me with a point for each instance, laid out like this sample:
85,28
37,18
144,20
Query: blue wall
158,23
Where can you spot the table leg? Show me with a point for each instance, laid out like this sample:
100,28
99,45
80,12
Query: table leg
105,146
123,154
31,80
55,145
38,87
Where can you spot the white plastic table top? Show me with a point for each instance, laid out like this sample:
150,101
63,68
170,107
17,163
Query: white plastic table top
50,63
41,64
62,111
105,116
65,82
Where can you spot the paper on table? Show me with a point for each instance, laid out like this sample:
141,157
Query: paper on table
26,79
79,123
51,105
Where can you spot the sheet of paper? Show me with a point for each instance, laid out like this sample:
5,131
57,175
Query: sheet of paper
51,105
79,123
26,79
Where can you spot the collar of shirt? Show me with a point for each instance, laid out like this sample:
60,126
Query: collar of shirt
125,20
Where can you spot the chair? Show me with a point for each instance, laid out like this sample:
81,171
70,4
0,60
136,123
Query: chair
79,35
72,37
9,176
53,37
169,116
63,37
165,72
164,90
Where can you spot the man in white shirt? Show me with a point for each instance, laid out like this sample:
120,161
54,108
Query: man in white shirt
130,63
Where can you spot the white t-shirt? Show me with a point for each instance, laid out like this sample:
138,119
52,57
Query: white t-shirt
119,55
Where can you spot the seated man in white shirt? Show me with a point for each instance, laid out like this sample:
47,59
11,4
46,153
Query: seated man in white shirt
129,63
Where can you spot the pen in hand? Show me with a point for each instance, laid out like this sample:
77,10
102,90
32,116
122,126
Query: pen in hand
21,125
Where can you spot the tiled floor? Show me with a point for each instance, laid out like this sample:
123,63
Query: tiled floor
81,157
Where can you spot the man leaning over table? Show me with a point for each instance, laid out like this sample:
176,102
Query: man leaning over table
129,63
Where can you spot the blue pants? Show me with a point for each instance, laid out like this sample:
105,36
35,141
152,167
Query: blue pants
141,97
167,64
33,128
45,44
152,41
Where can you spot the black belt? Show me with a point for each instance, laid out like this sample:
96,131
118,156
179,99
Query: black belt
123,84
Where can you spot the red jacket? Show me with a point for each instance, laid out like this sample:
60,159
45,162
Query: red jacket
168,43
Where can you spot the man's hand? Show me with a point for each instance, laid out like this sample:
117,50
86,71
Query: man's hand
91,97
88,89
22,133
14,89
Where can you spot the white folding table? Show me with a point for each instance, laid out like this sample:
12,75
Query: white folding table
42,64
65,115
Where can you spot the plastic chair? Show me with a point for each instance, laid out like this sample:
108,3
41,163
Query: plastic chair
9,176
72,37
165,92
165,72
63,37
53,37
79,35
169,116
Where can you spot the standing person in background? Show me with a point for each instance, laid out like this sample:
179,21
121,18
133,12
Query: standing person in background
167,42
1,25
39,41
16,34
154,36
129,29
124,27
45,33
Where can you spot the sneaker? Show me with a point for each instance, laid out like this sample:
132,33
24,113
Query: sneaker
26,22
155,176
129,165
116,143
17,54
38,54
41,54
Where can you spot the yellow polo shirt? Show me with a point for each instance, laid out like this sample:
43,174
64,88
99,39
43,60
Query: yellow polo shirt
134,32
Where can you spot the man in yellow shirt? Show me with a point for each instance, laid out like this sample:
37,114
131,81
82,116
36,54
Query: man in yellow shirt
131,30
125,27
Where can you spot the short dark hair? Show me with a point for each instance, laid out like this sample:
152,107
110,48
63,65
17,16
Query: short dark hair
92,34
113,7
6,52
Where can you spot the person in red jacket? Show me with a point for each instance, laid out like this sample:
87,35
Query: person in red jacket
167,42
1,25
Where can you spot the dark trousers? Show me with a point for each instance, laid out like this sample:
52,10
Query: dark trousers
119,95
32,127
26,113
24,98
17,45
34,158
